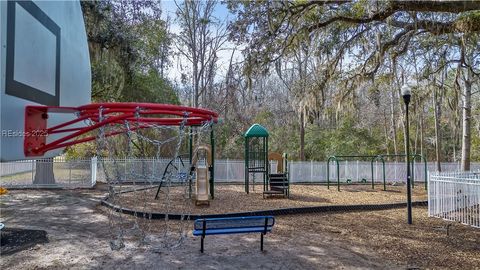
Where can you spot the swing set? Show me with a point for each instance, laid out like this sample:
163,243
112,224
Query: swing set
373,158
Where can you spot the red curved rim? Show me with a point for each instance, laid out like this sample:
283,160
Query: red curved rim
102,114
148,113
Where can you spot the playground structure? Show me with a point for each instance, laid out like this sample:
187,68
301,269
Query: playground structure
256,155
211,156
203,175
278,182
373,158
257,160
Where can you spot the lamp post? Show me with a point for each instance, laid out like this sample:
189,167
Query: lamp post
406,94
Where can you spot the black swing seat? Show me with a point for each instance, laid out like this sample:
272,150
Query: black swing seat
233,225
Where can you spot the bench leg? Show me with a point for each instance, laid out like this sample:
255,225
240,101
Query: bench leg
201,245
261,241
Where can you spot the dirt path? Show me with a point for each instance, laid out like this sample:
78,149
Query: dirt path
78,237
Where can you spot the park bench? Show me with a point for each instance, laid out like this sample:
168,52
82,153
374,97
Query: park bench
233,225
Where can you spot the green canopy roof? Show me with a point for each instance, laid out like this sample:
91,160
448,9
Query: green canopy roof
256,130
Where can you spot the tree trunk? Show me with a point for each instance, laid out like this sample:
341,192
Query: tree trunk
385,125
302,137
394,123
44,172
466,122
438,135
421,131
417,122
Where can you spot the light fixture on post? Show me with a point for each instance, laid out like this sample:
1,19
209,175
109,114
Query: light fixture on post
406,94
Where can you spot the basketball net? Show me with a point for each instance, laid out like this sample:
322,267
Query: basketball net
135,162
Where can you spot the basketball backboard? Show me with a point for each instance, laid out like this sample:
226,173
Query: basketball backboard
44,61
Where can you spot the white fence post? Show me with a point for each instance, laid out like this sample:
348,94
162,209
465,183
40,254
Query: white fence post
69,172
357,172
33,170
93,168
311,170
228,171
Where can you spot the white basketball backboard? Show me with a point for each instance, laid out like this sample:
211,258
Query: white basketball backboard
44,61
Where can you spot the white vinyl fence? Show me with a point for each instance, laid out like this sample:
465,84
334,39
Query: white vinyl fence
152,170
85,172
312,171
455,196
80,173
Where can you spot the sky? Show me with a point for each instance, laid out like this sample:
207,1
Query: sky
221,13
169,8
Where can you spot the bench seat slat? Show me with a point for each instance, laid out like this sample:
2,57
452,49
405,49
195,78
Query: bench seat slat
234,222
232,230
273,192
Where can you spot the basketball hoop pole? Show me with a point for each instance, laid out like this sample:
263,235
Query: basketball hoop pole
102,114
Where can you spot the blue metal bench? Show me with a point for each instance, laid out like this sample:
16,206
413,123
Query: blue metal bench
233,225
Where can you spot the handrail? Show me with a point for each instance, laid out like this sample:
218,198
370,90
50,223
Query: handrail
209,155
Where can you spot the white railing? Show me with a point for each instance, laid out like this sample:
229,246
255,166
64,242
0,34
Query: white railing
79,173
455,196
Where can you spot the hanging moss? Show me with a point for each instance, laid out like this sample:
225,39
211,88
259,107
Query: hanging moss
469,22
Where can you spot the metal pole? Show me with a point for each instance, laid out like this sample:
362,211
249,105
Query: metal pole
384,175
412,163
338,176
328,173
426,175
406,99
266,175
246,165
190,156
190,146
371,171
212,173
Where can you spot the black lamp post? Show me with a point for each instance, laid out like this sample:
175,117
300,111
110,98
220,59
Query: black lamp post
406,94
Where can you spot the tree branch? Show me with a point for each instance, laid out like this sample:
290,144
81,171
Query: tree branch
436,6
